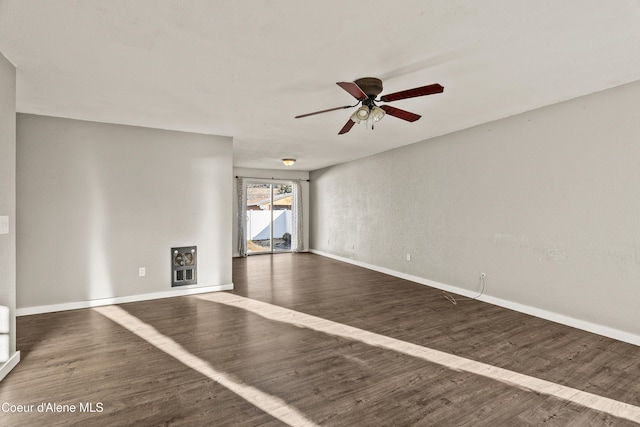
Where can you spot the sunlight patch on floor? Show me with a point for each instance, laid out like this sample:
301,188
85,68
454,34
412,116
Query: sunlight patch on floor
270,404
280,314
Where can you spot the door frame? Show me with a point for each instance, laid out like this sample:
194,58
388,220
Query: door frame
271,183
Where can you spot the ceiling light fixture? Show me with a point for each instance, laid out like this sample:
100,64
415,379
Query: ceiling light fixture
368,113
288,162
377,113
361,114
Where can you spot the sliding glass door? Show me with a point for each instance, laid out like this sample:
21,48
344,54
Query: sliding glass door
269,220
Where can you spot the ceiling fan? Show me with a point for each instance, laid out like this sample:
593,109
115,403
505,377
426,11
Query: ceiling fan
365,91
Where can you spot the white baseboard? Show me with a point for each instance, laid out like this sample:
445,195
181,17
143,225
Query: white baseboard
522,308
185,290
9,365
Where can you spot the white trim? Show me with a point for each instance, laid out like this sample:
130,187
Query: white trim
522,308
9,365
185,290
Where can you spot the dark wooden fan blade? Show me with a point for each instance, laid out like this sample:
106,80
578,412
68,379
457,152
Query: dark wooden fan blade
401,114
323,111
346,128
354,90
412,93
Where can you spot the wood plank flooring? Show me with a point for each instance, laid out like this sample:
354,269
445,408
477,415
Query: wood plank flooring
81,356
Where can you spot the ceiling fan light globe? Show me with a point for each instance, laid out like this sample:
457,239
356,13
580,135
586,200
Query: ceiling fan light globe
377,113
362,113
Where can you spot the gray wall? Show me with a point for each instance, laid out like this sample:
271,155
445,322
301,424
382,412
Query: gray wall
97,201
547,203
8,192
266,174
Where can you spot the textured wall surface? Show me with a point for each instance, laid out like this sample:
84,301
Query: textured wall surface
8,192
546,203
97,201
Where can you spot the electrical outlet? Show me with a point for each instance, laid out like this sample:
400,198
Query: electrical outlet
482,275
142,271
408,257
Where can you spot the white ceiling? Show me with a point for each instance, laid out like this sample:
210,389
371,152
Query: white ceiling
246,68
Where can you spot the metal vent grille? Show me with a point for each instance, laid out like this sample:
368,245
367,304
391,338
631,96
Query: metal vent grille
184,266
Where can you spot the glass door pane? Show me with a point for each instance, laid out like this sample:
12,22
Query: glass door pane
269,220
258,218
282,217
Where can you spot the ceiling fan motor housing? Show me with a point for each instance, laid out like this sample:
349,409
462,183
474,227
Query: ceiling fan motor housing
370,85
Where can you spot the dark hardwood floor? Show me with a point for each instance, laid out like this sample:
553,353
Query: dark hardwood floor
82,356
